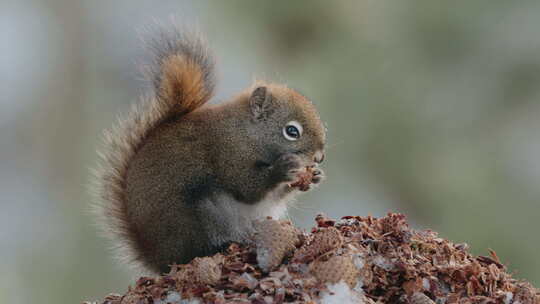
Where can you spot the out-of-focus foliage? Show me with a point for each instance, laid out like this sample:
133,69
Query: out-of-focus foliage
432,110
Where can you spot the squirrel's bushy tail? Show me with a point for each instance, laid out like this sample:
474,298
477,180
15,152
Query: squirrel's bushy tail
181,71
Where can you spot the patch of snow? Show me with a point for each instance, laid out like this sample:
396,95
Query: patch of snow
359,285
303,268
250,280
426,284
508,298
346,222
174,297
383,263
341,293
263,257
191,301
359,261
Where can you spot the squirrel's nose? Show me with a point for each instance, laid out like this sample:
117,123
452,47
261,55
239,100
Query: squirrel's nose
319,157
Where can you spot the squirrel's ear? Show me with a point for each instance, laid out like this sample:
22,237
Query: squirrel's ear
260,103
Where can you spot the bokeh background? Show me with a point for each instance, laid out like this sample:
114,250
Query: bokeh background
432,109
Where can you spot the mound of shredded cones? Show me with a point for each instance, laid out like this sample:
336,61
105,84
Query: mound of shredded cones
353,260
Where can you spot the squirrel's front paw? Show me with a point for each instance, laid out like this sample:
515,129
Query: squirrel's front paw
318,176
287,167
310,176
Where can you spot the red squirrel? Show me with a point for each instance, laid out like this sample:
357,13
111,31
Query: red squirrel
179,178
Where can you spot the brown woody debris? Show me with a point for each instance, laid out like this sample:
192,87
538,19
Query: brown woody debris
321,241
381,260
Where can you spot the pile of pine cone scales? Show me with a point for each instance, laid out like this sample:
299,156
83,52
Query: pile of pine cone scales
352,260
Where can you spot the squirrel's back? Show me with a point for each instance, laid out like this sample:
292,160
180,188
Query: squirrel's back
181,72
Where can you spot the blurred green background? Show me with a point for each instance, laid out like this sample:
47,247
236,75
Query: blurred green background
432,109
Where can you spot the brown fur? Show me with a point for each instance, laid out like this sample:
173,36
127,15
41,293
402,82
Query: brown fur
179,179
182,74
183,84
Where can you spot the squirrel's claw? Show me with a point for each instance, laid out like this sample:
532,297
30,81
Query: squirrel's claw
318,176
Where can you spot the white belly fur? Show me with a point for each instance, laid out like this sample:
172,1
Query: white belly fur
233,220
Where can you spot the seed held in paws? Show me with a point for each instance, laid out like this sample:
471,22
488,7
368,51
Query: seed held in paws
305,178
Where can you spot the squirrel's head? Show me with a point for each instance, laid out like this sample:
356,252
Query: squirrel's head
288,122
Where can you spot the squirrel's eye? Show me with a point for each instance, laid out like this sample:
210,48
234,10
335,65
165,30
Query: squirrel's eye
292,130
